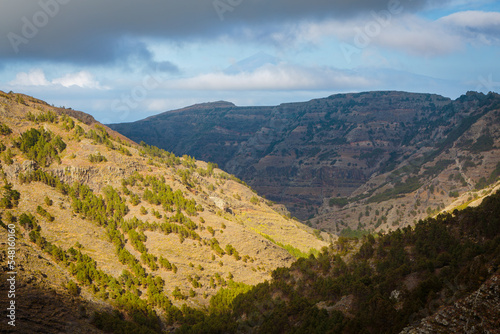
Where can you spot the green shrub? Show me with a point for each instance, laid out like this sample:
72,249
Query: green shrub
97,158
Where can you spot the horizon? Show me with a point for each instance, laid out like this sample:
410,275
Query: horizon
292,102
157,57
247,106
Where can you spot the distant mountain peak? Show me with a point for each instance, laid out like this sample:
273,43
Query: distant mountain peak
220,103
206,105
252,63
197,106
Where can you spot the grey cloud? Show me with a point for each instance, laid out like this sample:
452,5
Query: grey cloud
92,31
479,26
165,67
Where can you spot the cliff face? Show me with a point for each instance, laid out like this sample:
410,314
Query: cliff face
302,154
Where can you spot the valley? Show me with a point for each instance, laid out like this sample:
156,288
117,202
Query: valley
365,161
115,236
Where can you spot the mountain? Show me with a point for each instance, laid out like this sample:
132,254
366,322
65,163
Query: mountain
100,234
100,223
364,161
252,63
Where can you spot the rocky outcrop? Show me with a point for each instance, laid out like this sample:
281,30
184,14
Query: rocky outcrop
72,174
12,171
220,203
95,177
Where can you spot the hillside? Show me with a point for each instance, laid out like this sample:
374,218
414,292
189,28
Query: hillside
365,161
441,276
102,223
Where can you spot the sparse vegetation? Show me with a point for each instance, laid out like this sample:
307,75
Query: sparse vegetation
254,200
400,188
44,116
7,156
48,201
493,177
42,212
295,252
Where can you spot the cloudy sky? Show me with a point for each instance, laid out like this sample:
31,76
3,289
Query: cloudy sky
123,60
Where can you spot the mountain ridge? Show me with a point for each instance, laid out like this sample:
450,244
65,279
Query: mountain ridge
305,154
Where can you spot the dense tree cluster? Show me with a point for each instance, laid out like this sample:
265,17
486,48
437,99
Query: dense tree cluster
97,208
41,146
40,175
28,221
165,227
161,155
44,116
10,197
68,123
164,263
157,192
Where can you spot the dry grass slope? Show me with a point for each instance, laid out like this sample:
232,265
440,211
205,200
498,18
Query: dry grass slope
224,209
